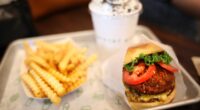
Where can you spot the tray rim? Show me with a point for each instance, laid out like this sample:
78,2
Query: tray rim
91,32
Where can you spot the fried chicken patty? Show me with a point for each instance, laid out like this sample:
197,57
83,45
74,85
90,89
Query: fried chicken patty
160,82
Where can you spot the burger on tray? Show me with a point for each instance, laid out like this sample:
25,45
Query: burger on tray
148,76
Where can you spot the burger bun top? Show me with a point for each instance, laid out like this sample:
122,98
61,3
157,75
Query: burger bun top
134,52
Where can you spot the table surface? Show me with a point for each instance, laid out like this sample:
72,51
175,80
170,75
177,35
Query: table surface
77,19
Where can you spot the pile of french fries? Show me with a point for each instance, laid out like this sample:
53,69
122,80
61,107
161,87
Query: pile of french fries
55,69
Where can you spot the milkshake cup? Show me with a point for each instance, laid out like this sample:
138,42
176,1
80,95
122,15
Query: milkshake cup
114,21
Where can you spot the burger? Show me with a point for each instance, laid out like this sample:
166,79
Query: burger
148,76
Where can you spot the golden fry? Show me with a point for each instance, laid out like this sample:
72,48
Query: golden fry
50,79
76,59
46,46
88,61
52,64
85,64
64,62
70,67
76,84
32,85
64,48
79,56
47,90
59,75
75,81
42,54
38,60
75,76
58,56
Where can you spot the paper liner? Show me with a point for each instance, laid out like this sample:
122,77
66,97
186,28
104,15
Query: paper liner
196,62
112,68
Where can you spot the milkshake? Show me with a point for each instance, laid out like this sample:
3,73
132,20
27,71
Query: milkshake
114,21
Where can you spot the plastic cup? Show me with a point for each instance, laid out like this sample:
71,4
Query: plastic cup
113,31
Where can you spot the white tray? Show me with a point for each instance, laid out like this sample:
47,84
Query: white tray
93,95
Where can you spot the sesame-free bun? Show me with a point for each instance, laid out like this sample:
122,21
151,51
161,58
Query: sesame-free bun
142,105
145,49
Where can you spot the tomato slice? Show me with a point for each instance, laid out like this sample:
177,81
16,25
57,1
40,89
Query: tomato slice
134,79
139,68
168,67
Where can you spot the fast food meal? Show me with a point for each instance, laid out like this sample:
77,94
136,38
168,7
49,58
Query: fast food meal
55,69
148,76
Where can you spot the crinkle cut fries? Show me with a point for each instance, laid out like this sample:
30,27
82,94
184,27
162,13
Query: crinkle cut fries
55,69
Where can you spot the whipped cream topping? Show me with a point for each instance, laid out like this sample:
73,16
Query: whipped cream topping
114,7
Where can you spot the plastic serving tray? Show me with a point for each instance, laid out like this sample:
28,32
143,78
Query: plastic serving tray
93,95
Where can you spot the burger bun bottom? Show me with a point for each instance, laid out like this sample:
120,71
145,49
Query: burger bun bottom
142,105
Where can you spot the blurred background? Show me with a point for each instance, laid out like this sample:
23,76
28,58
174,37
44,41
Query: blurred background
27,18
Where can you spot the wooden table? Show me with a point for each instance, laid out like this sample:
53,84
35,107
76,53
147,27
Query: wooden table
78,18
